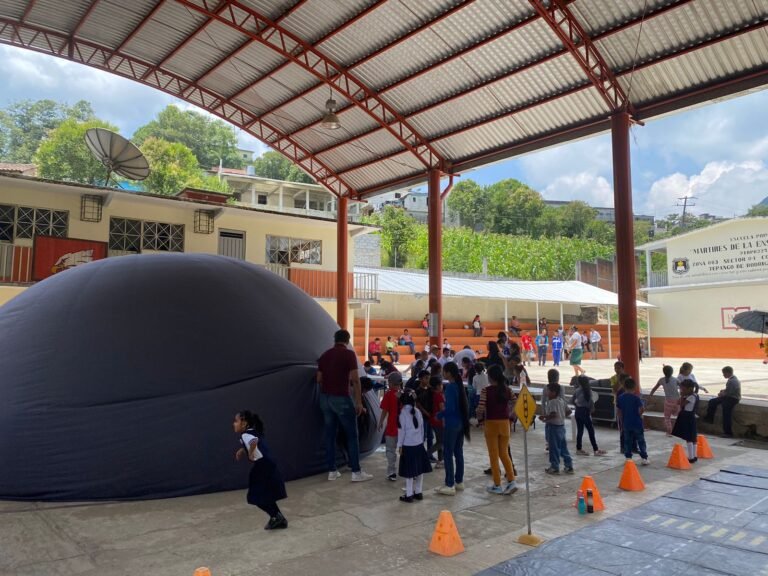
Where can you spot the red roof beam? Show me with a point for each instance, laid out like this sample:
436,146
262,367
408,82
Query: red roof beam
322,39
497,79
95,56
27,10
245,44
575,39
245,20
373,54
84,18
706,43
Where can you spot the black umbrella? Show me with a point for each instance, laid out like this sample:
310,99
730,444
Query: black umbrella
752,320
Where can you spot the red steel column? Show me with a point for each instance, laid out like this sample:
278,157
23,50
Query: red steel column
342,262
625,245
435,225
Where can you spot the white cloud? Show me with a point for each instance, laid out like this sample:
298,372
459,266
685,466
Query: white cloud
588,187
724,188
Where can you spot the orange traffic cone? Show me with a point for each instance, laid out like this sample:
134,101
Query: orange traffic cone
702,448
202,572
445,539
589,484
630,478
678,460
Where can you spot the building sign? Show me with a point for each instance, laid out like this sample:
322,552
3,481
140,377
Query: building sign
727,314
734,251
54,255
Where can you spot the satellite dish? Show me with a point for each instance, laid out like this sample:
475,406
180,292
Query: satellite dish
117,154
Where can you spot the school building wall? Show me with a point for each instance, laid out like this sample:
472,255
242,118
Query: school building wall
694,322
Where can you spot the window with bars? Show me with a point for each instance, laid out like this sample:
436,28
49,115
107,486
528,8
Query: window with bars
26,222
91,208
126,235
286,251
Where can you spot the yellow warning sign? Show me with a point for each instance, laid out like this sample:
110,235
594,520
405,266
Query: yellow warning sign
525,408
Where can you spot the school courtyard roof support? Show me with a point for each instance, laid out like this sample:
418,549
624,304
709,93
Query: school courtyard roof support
342,262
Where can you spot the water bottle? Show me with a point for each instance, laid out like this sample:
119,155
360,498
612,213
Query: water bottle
582,505
590,502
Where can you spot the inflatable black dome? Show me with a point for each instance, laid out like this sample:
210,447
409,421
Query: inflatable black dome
120,378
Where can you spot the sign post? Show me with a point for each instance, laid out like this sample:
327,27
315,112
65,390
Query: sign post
525,409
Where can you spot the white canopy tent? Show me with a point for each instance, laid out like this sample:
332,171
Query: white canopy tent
416,283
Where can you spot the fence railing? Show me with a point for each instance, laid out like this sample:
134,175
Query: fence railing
362,286
658,279
15,264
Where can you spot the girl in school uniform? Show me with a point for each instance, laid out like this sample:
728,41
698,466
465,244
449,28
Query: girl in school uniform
685,425
414,461
265,485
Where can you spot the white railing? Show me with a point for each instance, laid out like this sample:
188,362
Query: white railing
15,264
366,287
658,279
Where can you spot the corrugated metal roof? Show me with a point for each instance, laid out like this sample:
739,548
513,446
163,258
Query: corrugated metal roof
565,292
472,79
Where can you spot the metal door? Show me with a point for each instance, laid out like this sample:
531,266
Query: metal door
232,244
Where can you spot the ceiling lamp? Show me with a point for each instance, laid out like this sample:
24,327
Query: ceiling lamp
330,121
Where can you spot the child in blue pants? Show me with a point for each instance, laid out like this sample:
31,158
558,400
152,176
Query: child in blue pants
556,411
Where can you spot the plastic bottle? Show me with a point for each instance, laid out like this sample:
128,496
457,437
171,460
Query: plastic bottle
590,502
582,505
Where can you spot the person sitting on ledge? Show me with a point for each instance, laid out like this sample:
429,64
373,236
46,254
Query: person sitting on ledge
728,397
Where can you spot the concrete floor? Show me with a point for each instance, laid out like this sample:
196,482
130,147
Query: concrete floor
752,373
335,528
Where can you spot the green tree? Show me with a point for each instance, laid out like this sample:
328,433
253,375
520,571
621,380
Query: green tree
759,209
24,125
470,201
513,208
172,166
209,139
549,222
274,165
601,232
398,231
576,217
63,155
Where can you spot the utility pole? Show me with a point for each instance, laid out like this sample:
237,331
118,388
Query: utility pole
686,204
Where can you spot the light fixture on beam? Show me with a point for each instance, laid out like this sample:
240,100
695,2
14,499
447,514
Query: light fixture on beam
330,119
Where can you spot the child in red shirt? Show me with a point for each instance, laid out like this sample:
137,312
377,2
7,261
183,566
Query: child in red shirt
390,411
527,343
438,405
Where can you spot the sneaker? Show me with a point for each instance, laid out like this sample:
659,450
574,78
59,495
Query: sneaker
407,499
494,490
446,490
600,452
551,470
582,453
361,476
418,496
487,471
335,475
693,460
392,477
644,462
568,470
510,488
460,486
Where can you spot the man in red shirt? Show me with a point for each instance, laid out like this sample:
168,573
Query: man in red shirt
336,369
374,349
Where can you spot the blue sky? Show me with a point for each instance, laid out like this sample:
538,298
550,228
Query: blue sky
718,152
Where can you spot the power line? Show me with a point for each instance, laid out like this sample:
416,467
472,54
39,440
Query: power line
686,204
